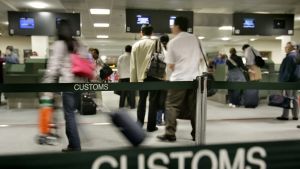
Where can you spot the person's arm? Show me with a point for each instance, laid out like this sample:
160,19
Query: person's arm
133,71
54,64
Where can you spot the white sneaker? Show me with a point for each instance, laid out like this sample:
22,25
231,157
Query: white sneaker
230,105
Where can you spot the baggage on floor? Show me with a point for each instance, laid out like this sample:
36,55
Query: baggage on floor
88,106
129,128
250,98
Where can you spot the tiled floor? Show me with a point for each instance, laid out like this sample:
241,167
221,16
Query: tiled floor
18,128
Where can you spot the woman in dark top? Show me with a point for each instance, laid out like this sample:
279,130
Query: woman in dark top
235,74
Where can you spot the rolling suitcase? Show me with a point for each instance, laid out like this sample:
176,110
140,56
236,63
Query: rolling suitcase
88,106
250,98
129,128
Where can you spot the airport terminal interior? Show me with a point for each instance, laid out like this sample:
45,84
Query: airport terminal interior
213,24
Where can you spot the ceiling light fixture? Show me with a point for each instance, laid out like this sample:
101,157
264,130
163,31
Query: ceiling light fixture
226,28
5,23
297,18
100,11
279,38
201,37
102,36
225,38
252,39
262,12
38,4
103,25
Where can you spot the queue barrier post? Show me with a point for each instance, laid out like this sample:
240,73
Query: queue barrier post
200,119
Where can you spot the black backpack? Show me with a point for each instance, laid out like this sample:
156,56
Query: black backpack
258,60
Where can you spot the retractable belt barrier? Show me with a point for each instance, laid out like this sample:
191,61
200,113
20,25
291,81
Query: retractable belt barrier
74,87
262,155
81,87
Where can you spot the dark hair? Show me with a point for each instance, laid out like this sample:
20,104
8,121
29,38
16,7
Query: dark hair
245,46
128,48
96,51
232,51
11,48
164,39
182,23
64,33
147,29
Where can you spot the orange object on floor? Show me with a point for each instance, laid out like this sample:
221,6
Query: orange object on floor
45,119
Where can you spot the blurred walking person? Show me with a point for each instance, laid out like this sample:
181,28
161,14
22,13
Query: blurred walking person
59,70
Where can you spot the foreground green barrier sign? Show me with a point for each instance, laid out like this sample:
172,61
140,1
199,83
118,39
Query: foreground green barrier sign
265,155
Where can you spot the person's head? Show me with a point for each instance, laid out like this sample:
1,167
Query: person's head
9,50
245,46
164,39
180,25
290,46
146,30
64,33
90,50
232,51
95,53
128,48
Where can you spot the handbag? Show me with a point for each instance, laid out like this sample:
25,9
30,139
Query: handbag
258,60
105,72
280,101
210,77
157,67
81,66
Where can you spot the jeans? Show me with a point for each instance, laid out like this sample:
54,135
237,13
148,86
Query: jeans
70,104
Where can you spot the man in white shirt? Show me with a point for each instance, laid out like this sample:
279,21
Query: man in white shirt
254,71
139,62
183,59
124,76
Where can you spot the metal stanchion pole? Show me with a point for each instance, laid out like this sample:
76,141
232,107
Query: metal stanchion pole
203,112
198,112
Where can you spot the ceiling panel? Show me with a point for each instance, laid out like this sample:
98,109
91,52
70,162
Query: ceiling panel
209,14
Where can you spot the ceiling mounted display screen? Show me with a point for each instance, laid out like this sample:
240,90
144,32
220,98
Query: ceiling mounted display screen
40,23
263,24
26,23
140,20
161,20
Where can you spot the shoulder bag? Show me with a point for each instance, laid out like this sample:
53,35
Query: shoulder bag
258,60
81,66
157,67
210,77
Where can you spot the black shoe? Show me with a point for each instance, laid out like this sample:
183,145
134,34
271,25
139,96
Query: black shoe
282,118
70,149
295,118
165,137
152,130
298,126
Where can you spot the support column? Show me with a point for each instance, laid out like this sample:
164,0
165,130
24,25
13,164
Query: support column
40,44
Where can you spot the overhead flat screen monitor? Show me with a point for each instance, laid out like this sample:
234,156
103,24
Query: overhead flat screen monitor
263,24
40,23
140,20
249,23
171,21
161,20
26,23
